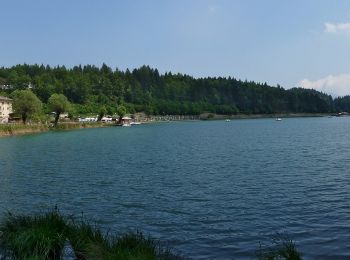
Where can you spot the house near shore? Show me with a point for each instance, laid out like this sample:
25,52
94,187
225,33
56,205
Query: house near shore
126,121
5,109
106,119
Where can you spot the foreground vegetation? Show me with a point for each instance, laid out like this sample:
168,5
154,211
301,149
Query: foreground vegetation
44,236
282,247
92,89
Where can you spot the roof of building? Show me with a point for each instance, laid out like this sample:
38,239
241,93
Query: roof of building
5,98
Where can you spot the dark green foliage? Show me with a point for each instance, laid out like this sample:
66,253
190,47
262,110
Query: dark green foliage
91,243
101,112
58,103
33,237
282,247
43,237
342,104
144,89
88,242
121,111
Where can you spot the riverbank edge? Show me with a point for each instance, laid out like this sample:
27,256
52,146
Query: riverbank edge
52,235
261,116
8,130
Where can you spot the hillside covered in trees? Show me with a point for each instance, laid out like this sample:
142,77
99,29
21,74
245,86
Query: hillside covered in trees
145,89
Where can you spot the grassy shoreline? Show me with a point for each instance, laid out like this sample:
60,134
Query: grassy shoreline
47,235
20,129
52,235
7,130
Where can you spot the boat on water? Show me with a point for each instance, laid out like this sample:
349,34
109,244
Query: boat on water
227,120
135,123
278,119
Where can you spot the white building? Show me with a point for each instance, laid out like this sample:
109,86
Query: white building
5,109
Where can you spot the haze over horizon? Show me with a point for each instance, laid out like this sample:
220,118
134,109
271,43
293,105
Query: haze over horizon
295,43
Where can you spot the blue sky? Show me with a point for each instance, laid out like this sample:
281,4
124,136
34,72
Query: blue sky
293,43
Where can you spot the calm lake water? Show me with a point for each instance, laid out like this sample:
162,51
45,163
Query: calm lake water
213,190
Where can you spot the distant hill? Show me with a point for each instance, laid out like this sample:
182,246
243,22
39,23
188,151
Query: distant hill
145,89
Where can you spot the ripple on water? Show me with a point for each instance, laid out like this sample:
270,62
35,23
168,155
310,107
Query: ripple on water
214,190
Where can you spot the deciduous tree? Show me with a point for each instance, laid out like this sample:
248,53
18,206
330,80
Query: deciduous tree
58,103
26,103
121,111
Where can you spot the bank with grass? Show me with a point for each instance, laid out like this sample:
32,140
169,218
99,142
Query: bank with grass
45,236
22,129
33,128
48,235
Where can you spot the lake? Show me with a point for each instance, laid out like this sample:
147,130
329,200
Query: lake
212,189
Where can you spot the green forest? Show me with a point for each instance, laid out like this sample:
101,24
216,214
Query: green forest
144,89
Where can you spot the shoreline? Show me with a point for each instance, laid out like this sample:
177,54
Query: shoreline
214,117
52,235
9,130
262,116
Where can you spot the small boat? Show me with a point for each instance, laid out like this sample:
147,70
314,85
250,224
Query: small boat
227,120
135,123
278,119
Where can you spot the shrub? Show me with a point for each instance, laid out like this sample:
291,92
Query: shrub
44,236
282,247
40,237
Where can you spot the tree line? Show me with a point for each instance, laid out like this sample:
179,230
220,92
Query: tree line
26,104
93,89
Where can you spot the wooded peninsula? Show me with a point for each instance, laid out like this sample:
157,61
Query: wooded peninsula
90,88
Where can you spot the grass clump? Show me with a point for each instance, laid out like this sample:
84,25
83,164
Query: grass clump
134,246
33,237
44,236
12,129
283,247
90,243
